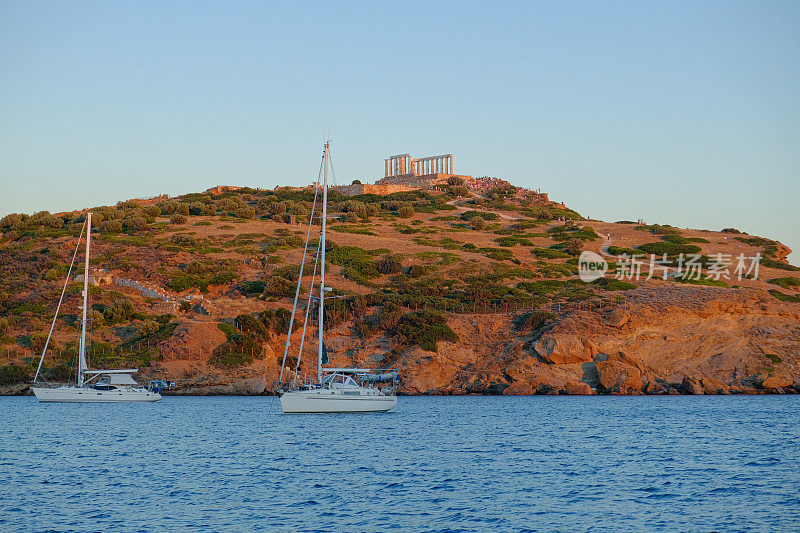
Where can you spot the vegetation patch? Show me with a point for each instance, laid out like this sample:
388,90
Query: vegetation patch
445,242
785,283
359,266
618,250
792,298
771,263
533,320
424,328
201,274
12,374
612,284
469,215
658,229
564,233
549,253
675,238
513,240
498,254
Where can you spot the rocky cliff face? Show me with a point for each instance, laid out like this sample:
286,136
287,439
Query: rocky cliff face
685,340
690,340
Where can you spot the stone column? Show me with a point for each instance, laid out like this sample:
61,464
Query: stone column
386,168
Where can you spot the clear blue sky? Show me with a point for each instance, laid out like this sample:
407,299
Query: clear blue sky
685,113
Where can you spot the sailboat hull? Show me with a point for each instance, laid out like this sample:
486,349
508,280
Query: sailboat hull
323,401
90,395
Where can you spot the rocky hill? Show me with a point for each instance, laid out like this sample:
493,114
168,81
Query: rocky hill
462,291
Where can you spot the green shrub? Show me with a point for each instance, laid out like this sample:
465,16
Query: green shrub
611,284
13,374
549,253
617,250
468,215
513,240
201,274
405,212
730,230
477,223
251,325
236,352
533,320
785,283
110,226
775,359
279,287
424,328
564,233
657,229
177,218
416,271
276,320
135,223
229,330
792,298
771,263
184,240
389,265
358,263
498,254
675,238
698,239
249,288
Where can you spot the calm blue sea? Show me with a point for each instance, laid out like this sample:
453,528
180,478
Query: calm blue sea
473,463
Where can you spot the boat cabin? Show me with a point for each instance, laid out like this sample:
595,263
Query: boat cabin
338,381
113,381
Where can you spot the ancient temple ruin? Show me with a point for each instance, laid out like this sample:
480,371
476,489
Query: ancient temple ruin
403,165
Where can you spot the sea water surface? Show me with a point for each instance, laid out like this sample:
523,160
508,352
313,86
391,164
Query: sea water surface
542,463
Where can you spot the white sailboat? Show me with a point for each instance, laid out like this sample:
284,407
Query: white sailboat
337,390
91,385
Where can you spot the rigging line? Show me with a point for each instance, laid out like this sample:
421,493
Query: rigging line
61,299
333,172
299,281
305,320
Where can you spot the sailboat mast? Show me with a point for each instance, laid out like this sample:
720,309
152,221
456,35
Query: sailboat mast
82,351
321,347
